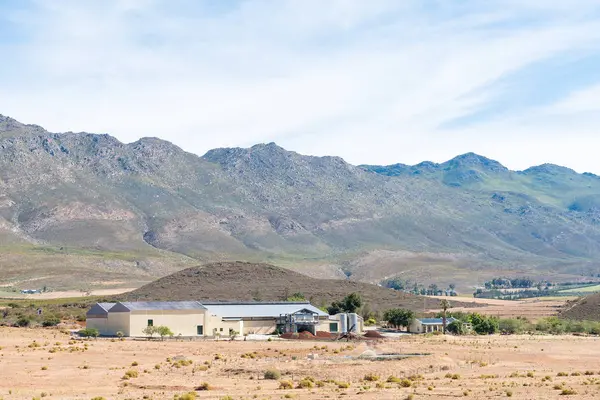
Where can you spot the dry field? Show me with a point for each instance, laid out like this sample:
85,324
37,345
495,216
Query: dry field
531,309
521,367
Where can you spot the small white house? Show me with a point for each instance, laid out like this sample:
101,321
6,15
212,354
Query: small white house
428,325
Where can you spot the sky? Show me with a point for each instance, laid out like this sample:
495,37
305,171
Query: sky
375,82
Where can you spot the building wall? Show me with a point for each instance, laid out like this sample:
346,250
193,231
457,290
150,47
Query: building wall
262,327
181,322
98,323
415,327
324,325
116,322
222,327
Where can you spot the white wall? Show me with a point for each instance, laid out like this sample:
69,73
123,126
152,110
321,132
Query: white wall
181,322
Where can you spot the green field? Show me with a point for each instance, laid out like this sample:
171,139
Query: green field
585,289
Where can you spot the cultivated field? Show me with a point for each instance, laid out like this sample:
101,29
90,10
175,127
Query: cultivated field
586,289
531,309
38,363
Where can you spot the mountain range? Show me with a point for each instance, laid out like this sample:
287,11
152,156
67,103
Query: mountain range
80,210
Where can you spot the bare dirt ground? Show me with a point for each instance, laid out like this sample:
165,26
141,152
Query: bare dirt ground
521,367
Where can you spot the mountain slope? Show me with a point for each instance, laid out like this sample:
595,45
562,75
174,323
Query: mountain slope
147,208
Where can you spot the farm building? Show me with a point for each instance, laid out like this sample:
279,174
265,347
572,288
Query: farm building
208,319
427,325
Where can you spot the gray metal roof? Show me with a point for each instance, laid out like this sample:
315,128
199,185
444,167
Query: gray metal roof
436,321
162,305
100,309
106,306
259,310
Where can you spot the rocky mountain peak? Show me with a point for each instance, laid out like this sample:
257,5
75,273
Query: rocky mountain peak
549,169
470,160
10,127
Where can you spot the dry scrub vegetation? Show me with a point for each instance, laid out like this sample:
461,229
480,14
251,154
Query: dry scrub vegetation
45,363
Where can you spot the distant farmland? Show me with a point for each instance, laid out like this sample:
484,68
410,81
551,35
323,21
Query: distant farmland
584,289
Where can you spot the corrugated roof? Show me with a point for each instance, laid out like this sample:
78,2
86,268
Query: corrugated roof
436,321
106,306
99,310
163,305
259,310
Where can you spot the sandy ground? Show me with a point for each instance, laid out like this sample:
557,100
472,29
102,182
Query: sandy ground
483,367
72,293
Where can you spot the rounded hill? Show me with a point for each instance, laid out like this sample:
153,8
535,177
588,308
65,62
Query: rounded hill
242,281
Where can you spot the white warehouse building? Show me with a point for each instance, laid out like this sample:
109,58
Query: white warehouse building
209,319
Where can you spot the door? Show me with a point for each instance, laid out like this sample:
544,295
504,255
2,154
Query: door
200,330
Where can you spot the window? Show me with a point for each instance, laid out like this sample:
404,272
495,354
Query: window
333,327
150,322
221,330
200,330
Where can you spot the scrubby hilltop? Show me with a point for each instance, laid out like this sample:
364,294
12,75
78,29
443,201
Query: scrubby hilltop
241,281
584,309
86,208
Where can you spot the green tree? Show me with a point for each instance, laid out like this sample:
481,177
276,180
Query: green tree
456,328
398,317
484,325
352,302
335,308
149,331
163,331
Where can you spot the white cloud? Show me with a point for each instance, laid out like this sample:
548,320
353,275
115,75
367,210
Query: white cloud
369,81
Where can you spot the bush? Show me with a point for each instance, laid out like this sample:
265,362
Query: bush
204,386
305,384
89,332
405,383
512,326
393,379
453,376
186,396
51,320
371,378
272,374
568,392
285,385
130,374
23,321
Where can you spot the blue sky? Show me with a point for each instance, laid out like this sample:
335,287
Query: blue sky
379,81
